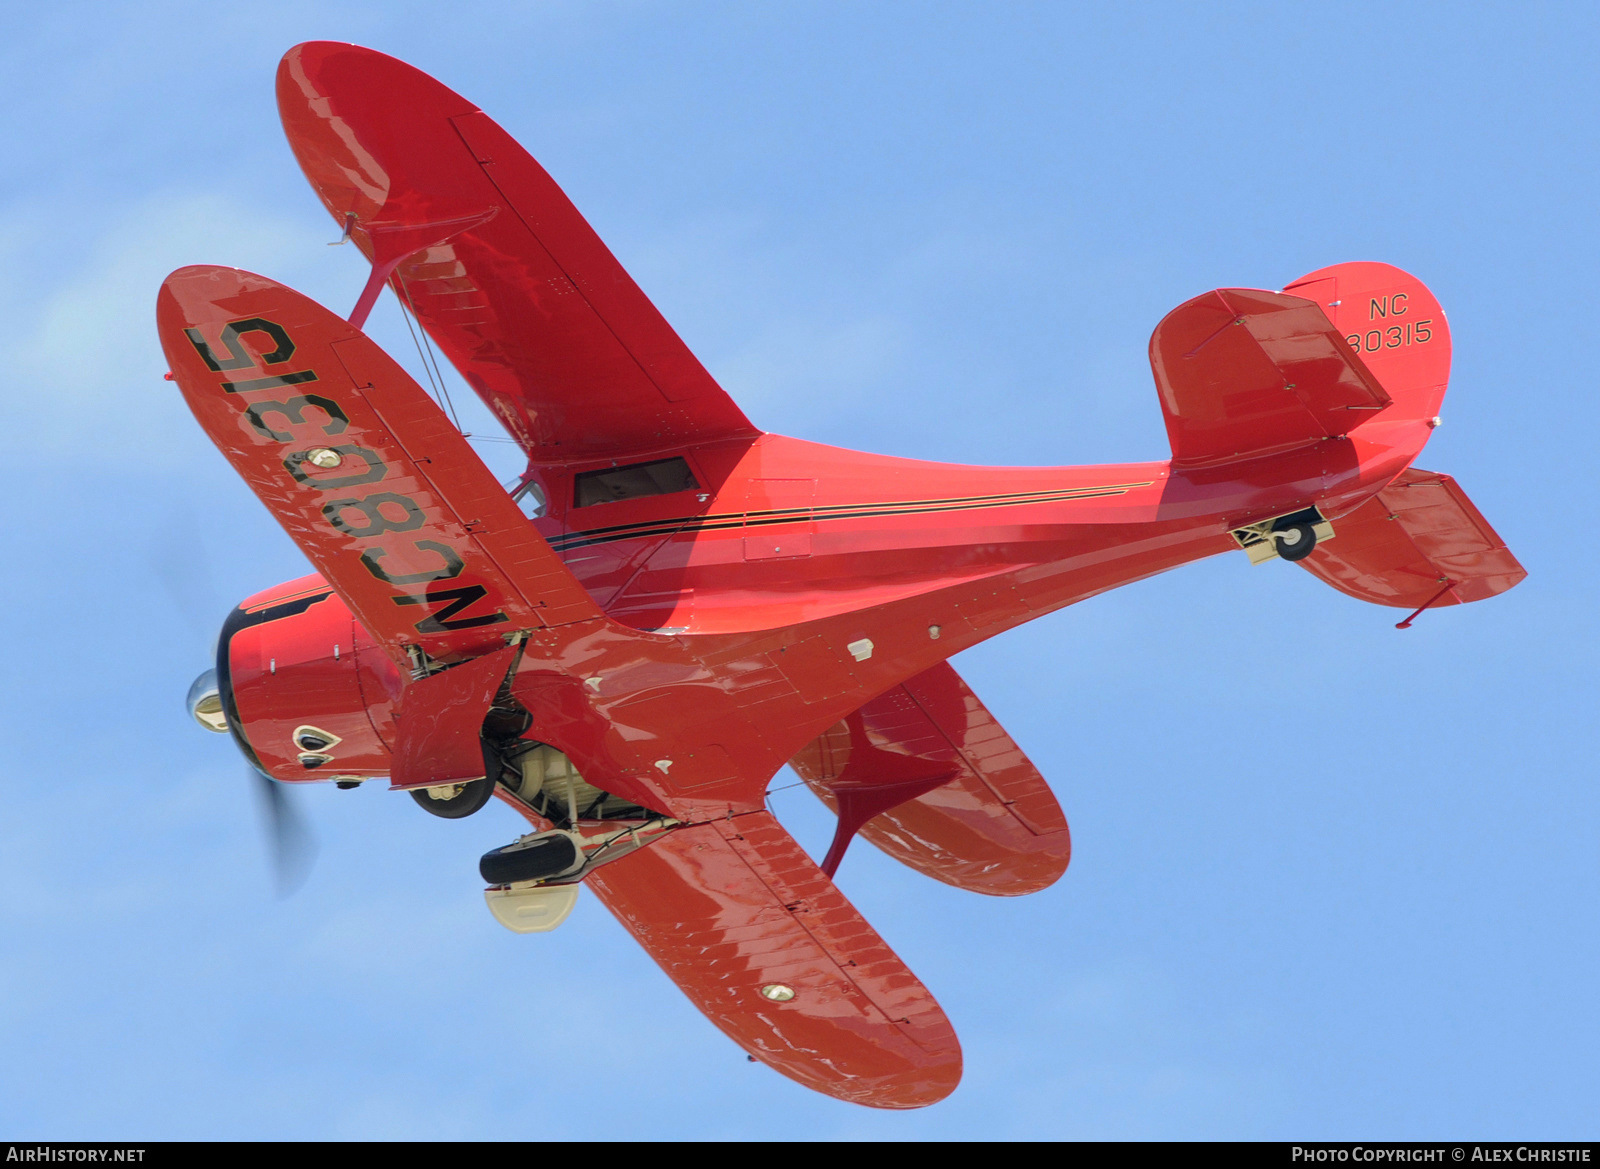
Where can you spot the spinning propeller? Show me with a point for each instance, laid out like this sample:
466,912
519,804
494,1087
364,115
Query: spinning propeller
290,842
289,837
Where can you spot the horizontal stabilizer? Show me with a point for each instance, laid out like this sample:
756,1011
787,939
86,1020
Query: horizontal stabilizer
1244,373
768,948
1419,541
361,468
994,828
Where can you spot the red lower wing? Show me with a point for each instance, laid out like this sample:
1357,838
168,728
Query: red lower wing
360,467
734,906
995,828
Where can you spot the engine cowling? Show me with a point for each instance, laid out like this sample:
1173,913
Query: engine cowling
308,695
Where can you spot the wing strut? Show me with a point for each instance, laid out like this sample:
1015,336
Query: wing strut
873,784
393,244
994,827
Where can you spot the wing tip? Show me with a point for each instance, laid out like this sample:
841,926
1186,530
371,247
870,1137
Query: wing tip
918,1086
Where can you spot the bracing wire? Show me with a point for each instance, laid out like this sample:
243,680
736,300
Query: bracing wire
427,344
430,367
772,791
427,371
430,363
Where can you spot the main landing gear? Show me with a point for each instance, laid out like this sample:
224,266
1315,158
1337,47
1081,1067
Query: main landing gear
543,856
533,881
499,739
586,825
454,800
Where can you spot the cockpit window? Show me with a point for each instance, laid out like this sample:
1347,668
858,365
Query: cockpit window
635,481
530,498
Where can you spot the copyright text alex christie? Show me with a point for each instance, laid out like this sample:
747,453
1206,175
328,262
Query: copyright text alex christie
1524,1154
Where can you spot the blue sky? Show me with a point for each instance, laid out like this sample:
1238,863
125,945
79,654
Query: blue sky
1330,880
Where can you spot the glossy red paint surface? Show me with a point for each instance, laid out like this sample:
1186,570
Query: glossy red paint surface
796,602
517,289
408,522
1396,326
440,719
294,661
731,906
995,827
1243,372
1419,541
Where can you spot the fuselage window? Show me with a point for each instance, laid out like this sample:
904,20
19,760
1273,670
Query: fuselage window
530,498
528,494
661,477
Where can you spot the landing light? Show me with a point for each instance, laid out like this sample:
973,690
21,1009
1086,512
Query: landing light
323,457
776,992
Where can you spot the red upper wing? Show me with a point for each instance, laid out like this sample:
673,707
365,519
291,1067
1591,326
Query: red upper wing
528,303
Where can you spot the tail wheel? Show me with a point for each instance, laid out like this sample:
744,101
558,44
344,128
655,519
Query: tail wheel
454,800
1295,542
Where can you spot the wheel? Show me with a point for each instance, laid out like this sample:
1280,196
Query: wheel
454,800
1295,542
550,854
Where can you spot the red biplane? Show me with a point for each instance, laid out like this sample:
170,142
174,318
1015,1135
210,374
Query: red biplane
670,604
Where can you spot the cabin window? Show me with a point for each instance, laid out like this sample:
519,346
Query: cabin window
635,481
529,496
531,500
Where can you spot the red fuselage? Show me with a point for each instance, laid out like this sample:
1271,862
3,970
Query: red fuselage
783,545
